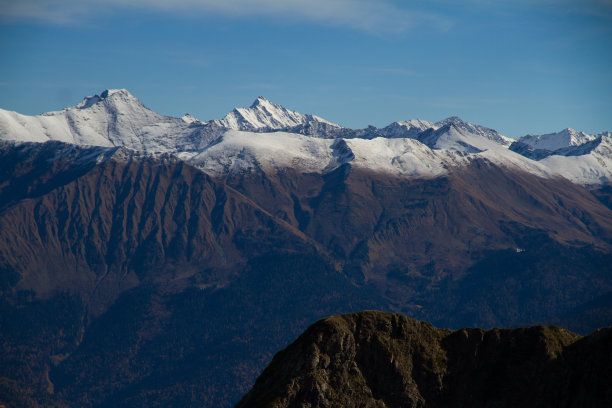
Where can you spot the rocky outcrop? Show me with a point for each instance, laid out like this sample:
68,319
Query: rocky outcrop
376,359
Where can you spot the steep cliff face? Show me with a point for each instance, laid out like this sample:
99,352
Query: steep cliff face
376,359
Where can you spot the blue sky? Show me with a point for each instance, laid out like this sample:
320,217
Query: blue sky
519,66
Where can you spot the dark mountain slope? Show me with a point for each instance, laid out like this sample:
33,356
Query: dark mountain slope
392,219
374,359
100,229
138,280
424,242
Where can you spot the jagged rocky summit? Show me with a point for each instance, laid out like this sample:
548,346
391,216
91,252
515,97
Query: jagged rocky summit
375,359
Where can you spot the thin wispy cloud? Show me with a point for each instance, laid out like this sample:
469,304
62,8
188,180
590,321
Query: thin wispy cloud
601,8
368,15
53,11
607,3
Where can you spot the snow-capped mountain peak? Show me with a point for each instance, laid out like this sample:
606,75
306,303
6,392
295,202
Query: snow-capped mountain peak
418,124
262,101
469,128
554,141
187,118
265,115
115,117
111,95
455,134
449,120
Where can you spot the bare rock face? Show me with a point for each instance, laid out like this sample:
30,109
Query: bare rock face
376,359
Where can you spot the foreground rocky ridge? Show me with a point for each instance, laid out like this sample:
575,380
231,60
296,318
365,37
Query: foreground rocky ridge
376,359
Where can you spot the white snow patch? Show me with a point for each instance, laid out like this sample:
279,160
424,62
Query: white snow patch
244,151
592,168
401,157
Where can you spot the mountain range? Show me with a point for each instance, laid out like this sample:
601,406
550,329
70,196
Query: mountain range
147,260
259,136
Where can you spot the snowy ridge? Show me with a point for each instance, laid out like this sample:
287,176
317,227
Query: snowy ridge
580,157
590,168
269,137
240,151
554,141
246,151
